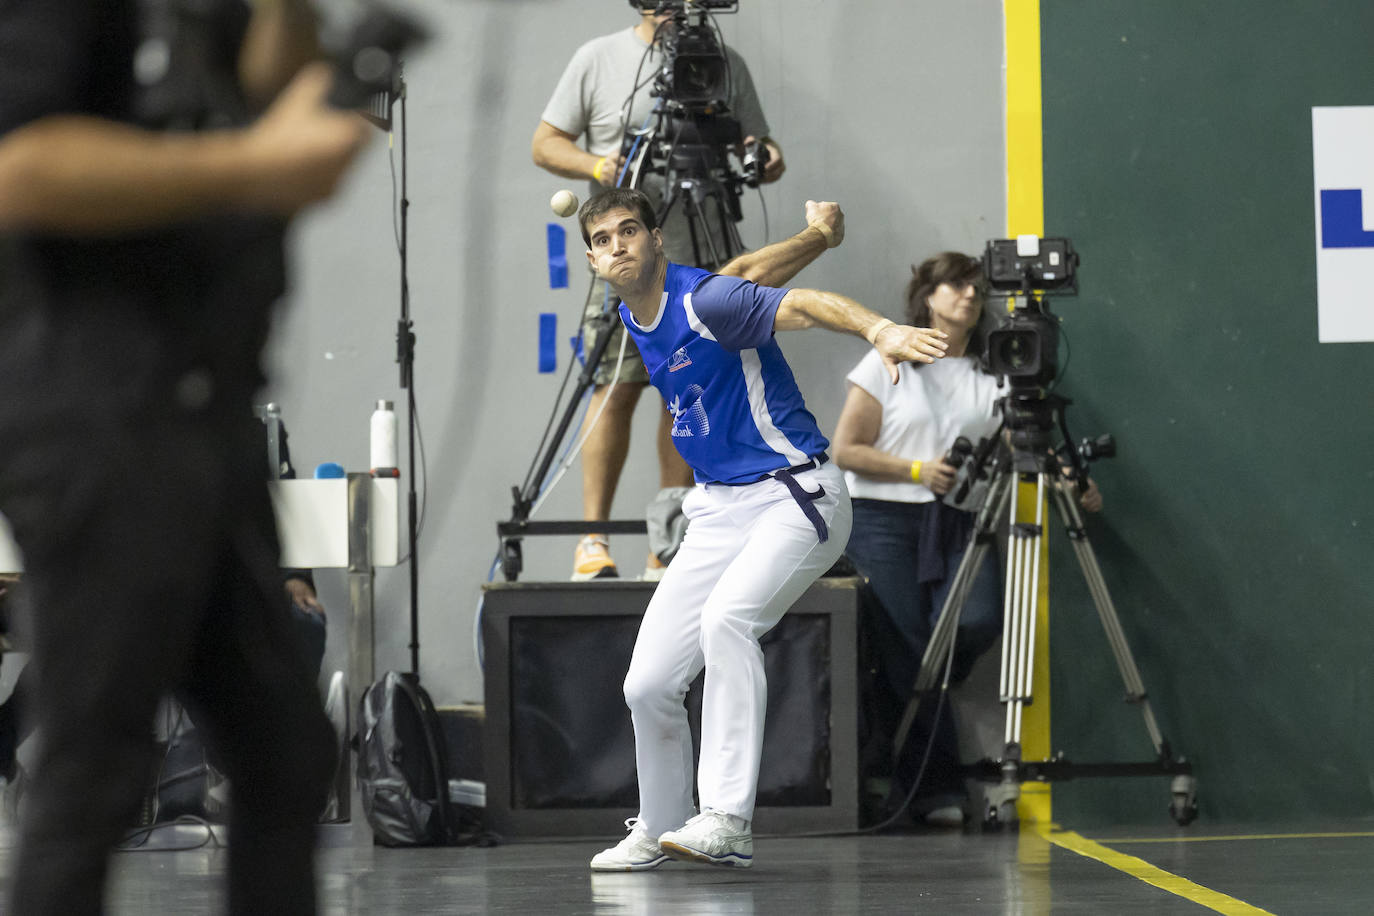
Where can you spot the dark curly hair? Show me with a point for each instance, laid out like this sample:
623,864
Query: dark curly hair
604,202
957,270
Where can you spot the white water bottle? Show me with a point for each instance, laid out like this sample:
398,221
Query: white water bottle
384,458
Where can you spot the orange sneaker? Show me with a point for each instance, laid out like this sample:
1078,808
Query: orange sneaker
593,559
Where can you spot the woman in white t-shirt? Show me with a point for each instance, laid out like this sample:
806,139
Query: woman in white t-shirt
892,440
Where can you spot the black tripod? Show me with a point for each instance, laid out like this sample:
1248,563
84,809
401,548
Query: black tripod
701,194
513,532
689,150
1029,422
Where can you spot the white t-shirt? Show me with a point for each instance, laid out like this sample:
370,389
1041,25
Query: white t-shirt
929,407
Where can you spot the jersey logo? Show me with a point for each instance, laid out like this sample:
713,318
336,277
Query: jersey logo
689,418
679,360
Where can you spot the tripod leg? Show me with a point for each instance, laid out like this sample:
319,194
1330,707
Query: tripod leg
1023,591
1032,604
1010,630
699,227
1021,600
1106,610
947,626
692,228
729,233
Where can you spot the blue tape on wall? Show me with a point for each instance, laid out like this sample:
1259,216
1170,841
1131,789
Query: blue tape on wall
558,257
548,341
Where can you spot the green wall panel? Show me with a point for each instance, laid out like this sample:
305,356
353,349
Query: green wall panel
1238,539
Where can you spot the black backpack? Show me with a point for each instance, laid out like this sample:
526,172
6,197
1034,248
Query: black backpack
186,780
403,768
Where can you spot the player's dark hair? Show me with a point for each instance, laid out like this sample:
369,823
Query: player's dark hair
604,202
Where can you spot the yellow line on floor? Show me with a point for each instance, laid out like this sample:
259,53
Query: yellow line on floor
1248,836
1150,874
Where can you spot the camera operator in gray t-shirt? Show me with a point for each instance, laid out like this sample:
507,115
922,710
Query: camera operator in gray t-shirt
603,93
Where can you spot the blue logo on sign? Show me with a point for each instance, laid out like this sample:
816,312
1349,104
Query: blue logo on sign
1343,220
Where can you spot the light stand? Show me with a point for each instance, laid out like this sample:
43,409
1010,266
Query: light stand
368,78
405,357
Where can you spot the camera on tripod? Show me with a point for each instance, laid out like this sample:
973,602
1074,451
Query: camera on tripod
693,129
1031,464
1025,350
695,73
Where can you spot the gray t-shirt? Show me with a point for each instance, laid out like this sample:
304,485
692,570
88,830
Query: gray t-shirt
590,100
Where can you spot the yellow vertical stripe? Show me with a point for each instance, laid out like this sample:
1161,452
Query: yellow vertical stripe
1026,216
1025,163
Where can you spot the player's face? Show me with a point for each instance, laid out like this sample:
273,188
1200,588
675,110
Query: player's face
957,304
623,251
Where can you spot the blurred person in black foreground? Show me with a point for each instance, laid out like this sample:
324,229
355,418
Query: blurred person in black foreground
142,212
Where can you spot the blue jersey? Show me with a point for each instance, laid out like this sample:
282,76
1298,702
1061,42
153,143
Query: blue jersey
737,412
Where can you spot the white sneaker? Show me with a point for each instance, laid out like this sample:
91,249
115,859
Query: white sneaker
637,852
950,816
713,837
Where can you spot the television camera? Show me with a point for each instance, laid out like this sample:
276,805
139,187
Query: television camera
1024,351
1016,475
692,131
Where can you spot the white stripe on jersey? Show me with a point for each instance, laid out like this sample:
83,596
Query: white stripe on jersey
653,325
693,321
753,383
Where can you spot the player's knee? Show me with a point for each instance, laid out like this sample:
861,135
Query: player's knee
719,626
645,692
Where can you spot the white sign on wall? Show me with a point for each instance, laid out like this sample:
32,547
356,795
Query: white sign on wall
1343,173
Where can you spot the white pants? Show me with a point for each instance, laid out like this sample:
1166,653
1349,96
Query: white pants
748,554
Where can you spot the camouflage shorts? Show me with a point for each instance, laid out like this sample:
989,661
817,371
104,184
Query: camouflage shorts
632,369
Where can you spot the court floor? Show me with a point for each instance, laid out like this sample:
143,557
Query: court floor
1158,870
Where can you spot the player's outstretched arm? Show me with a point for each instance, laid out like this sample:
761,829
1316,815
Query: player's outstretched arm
895,343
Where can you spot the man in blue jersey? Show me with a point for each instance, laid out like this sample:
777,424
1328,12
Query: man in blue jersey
768,514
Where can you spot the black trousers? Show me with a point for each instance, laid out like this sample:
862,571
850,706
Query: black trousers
151,567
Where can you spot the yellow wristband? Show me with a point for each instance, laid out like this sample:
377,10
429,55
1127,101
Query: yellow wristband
596,172
872,331
915,472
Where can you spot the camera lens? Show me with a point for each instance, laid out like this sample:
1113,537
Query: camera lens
1017,352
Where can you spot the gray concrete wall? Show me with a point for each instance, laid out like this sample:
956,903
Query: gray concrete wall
892,107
